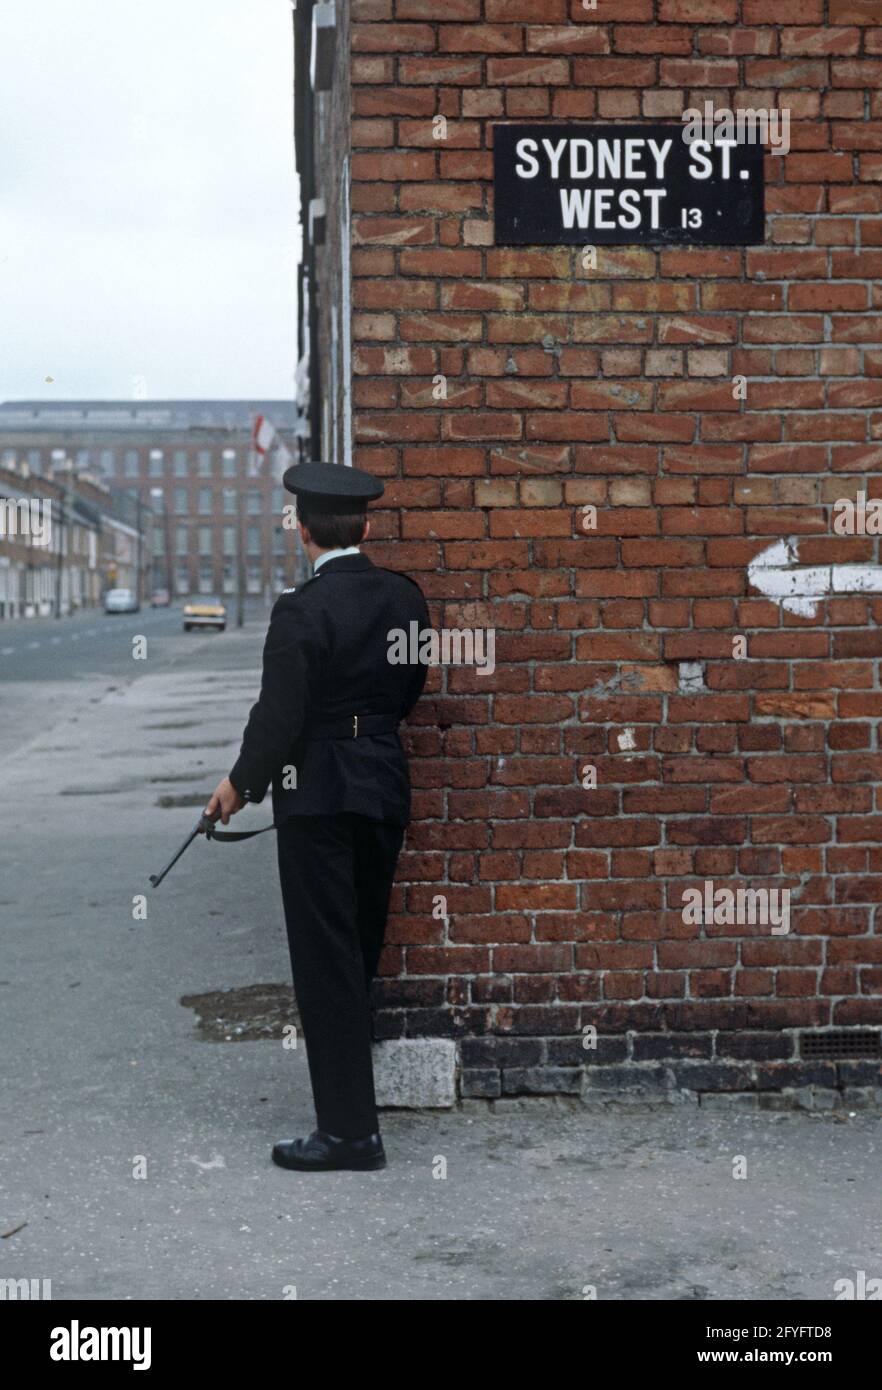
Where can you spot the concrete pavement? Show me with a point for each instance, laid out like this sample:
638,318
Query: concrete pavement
137,1152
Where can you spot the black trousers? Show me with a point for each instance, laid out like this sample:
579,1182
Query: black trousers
336,874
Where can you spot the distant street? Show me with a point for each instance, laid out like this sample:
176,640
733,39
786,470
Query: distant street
94,643
50,666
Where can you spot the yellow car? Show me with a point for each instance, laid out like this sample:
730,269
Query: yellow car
205,612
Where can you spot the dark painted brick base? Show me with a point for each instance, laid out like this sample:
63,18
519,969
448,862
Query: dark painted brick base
655,1064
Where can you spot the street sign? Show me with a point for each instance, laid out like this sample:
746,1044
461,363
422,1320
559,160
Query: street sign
561,185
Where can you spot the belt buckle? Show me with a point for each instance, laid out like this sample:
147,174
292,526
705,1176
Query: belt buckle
355,726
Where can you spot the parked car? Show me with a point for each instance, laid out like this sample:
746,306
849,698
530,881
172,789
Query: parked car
160,598
205,612
121,601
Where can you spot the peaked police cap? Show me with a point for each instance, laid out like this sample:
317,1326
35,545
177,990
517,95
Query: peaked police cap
332,487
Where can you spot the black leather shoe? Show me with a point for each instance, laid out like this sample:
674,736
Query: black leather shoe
322,1152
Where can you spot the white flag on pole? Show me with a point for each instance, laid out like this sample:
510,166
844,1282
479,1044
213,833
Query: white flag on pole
264,434
266,441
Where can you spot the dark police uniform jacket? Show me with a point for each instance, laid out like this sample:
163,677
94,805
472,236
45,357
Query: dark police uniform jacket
325,664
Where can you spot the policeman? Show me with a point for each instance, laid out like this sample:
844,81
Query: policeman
324,733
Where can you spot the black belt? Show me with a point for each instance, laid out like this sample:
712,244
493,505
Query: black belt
353,726
348,726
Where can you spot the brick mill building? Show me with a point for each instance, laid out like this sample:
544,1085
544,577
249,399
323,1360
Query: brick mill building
500,391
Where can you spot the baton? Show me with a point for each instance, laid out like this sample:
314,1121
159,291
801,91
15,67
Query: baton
205,826
199,829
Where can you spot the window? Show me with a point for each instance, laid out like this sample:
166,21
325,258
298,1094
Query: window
278,500
206,579
156,463
204,540
131,463
180,463
158,541
230,501
253,583
254,541
205,501
181,500
254,499
35,459
278,540
84,458
229,537
7,458
205,463
228,463
182,540
182,581
108,462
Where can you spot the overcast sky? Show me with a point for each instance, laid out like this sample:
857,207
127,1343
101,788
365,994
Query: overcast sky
148,223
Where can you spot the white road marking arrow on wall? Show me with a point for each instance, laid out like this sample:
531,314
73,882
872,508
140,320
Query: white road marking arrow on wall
774,573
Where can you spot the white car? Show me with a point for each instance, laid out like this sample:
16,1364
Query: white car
121,601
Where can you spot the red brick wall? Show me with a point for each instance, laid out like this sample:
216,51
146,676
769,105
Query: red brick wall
614,387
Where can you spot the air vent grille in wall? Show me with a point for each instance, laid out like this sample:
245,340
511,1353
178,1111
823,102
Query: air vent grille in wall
839,1044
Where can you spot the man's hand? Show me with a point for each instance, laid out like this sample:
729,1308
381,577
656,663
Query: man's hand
225,801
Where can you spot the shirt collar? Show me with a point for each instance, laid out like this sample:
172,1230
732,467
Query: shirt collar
334,555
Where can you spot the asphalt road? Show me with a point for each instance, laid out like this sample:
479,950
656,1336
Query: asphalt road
93,643
50,667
